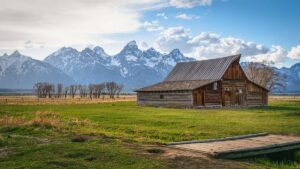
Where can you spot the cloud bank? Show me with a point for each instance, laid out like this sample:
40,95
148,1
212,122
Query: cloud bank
211,45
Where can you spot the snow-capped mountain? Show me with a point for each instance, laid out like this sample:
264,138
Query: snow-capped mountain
86,66
132,66
19,71
292,77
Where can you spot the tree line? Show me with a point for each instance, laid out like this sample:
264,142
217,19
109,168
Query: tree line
50,90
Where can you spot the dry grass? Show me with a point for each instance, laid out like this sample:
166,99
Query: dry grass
40,120
284,98
27,100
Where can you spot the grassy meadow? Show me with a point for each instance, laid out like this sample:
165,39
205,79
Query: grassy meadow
115,134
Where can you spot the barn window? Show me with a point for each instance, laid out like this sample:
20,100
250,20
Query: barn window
161,96
215,86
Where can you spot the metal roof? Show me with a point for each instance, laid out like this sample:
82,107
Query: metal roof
176,85
212,69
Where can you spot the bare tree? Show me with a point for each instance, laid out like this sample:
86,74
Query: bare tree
38,89
91,90
98,89
265,75
119,89
82,90
66,91
59,90
111,88
73,90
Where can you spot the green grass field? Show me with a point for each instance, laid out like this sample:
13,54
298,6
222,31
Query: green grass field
112,135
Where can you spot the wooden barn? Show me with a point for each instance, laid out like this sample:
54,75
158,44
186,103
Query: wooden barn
209,83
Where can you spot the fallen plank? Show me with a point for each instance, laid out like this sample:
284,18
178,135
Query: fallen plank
248,152
241,146
215,140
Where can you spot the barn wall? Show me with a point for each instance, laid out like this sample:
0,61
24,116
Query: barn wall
166,99
256,96
234,72
231,95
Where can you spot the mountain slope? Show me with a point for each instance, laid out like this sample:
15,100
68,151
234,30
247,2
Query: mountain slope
22,72
132,66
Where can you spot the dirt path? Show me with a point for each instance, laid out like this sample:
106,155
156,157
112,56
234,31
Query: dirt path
184,159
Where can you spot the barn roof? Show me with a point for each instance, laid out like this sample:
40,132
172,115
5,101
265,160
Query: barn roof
176,85
212,69
194,74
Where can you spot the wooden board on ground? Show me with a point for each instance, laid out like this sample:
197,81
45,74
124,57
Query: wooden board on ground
242,146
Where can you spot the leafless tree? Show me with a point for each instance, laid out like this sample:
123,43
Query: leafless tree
82,90
66,91
111,88
73,90
38,89
91,90
98,89
119,89
265,75
44,89
59,90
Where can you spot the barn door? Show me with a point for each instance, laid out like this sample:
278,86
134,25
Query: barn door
198,99
239,96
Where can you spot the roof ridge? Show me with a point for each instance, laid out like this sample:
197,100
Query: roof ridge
236,55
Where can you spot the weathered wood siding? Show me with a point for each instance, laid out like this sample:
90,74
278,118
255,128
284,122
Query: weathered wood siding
234,72
166,99
256,96
234,93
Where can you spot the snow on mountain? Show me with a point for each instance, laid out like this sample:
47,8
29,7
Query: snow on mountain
132,66
86,66
19,71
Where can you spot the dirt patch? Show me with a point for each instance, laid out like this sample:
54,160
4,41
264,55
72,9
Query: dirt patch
155,150
79,138
184,159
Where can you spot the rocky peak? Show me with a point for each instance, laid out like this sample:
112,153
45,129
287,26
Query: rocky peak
131,48
16,54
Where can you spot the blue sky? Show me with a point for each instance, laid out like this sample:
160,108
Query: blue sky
259,29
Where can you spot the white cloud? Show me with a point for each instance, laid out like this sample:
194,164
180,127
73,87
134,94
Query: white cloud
276,55
186,17
174,37
294,53
69,22
163,15
210,45
189,3
153,26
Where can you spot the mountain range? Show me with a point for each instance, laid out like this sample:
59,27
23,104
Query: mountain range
132,67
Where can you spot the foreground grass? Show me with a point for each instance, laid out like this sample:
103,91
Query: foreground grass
44,139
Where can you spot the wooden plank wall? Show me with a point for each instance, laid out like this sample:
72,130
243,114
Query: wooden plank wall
234,72
256,96
166,99
212,97
229,89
